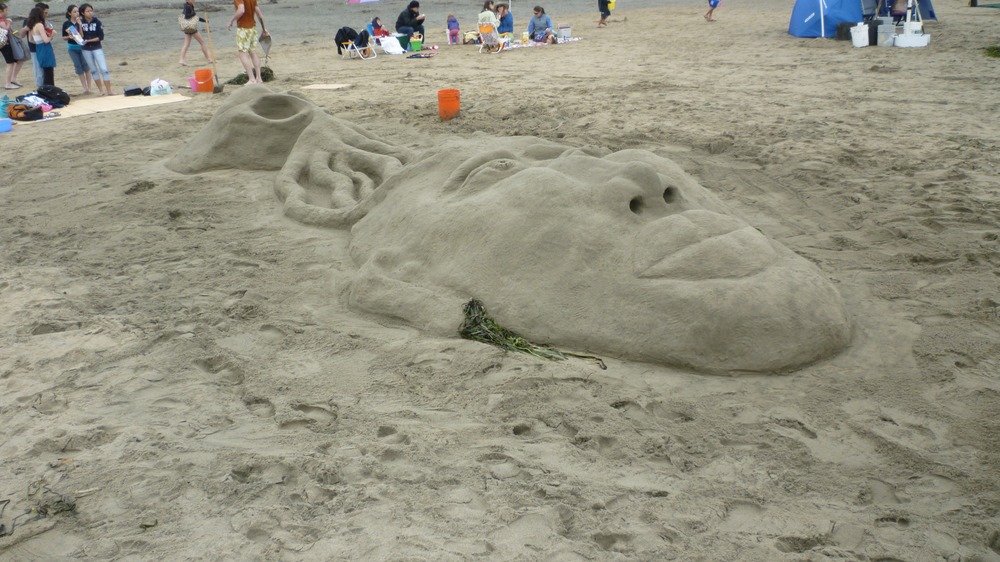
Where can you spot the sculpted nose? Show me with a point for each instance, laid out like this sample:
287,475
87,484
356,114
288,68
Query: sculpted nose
649,193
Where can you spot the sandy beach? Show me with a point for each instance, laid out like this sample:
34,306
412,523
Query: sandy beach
186,372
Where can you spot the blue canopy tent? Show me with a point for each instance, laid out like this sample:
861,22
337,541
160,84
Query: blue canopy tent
819,18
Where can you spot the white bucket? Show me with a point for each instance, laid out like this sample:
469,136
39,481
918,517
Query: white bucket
913,27
909,40
565,32
885,34
859,35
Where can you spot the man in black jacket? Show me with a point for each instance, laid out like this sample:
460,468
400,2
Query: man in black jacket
410,20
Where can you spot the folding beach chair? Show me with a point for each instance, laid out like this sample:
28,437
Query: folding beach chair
361,47
489,39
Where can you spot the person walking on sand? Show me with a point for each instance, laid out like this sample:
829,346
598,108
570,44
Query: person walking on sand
13,65
196,35
605,9
74,43
245,17
712,5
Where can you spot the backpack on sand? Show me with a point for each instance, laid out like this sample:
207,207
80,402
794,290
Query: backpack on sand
21,112
55,94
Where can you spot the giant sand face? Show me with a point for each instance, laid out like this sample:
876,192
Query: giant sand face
614,253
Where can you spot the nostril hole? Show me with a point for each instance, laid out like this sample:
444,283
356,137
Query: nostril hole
669,194
635,205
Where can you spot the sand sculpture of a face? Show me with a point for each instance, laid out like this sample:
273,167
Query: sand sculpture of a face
614,253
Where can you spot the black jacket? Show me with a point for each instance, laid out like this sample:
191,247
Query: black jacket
407,19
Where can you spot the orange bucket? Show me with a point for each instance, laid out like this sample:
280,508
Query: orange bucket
449,102
203,80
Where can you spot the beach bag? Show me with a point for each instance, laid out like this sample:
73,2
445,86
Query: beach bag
19,49
4,37
21,112
159,88
45,55
391,46
54,94
189,26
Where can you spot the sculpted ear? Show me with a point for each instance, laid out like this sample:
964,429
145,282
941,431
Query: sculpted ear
254,130
336,172
377,288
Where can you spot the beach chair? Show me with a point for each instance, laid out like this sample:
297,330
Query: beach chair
489,39
359,48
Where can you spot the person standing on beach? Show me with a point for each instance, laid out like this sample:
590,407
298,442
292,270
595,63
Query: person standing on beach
26,33
93,52
44,53
712,5
13,65
453,29
188,14
75,49
245,17
605,9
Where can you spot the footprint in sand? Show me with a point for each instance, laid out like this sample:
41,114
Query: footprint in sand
221,369
318,418
741,514
259,406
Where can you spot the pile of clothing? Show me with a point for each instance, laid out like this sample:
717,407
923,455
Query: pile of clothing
34,105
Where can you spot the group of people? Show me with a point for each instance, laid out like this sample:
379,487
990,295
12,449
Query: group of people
498,15
83,34
246,14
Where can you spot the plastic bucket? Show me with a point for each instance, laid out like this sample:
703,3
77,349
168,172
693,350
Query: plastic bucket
415,44
885,34
859,35
203,80
449,103
565,32
193,83
6,125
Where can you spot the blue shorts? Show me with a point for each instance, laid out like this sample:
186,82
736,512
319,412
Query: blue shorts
713,3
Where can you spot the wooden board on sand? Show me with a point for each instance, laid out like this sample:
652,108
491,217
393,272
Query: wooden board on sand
87,106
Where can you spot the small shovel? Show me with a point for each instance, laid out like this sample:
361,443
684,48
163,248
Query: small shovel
211,51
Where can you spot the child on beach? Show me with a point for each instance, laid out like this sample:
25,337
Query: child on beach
453,31
712,5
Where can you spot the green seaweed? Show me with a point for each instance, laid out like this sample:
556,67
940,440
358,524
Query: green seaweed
478,326
265,72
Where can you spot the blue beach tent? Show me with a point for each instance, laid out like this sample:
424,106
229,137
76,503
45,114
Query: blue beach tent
819,18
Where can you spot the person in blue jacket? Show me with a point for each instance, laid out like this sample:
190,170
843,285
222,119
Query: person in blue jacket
506,27
540,27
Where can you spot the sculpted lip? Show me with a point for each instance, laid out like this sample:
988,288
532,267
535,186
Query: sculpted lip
699,246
